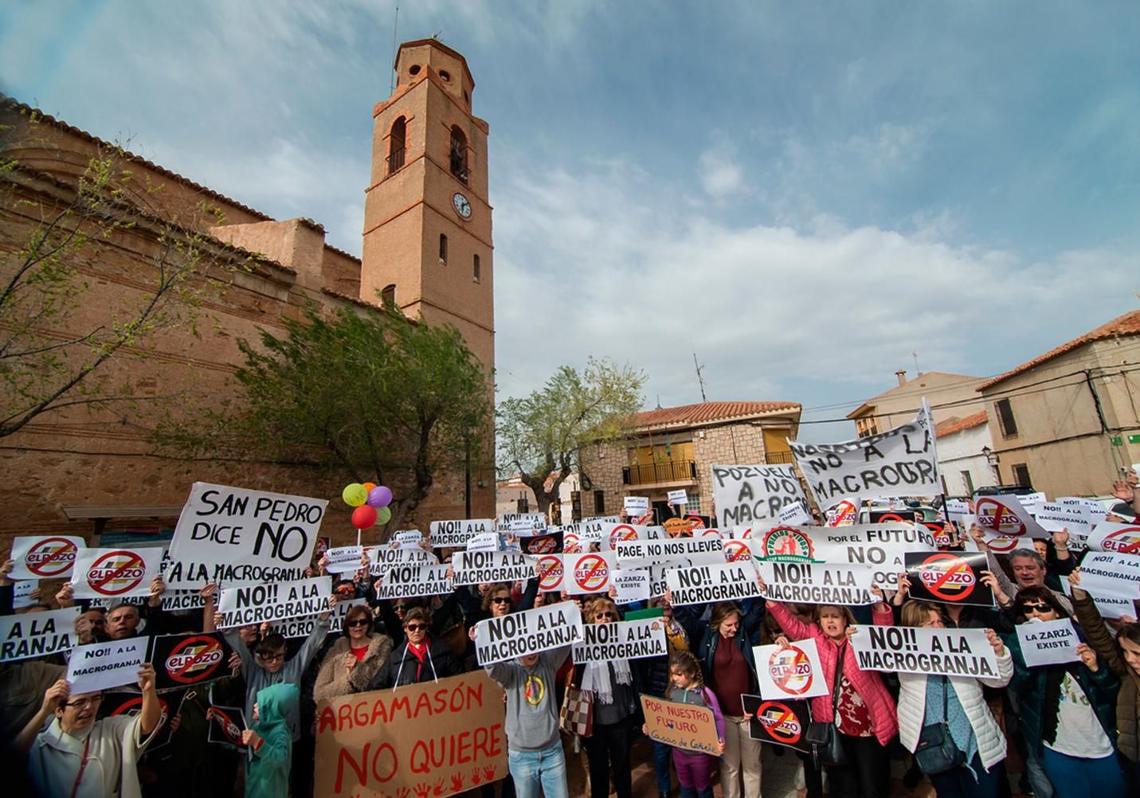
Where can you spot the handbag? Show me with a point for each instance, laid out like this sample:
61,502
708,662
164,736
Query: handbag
826,747
576,715
937,752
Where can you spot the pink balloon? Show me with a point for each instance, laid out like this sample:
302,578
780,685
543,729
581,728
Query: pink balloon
364,517
380,496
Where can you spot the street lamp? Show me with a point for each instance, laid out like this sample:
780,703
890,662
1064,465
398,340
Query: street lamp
992,460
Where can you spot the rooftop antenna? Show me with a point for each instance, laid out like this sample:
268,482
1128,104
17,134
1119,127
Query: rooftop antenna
395,26
700,379
916,369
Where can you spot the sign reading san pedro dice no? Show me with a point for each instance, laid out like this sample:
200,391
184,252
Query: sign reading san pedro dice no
949,577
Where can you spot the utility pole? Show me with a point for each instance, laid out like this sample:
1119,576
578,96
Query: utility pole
700,379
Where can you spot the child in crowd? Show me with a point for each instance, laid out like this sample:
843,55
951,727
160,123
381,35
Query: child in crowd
270,742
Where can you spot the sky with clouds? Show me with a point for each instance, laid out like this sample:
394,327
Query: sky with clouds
802,193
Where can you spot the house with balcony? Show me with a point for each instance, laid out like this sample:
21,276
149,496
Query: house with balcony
671,448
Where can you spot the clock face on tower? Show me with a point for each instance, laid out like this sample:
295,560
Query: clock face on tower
461,204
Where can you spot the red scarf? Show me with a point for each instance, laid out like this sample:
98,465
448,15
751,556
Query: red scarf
420,653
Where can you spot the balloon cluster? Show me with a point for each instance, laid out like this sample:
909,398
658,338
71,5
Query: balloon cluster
371,502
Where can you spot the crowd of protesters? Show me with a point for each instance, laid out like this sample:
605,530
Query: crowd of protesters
1056,730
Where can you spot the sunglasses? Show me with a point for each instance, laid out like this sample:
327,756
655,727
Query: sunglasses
603,615
501,600
416,627
1038,607
271,657
358,622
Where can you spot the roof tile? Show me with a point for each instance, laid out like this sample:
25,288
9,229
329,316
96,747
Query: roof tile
952,425
705,412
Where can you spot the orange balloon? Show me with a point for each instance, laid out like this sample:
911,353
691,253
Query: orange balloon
368,486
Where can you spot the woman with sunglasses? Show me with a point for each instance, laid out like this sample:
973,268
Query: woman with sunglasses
1068,712
354,659
419,659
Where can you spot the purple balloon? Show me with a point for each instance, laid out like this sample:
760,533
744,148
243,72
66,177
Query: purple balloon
380,496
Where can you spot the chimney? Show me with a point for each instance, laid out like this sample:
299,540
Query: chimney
901,374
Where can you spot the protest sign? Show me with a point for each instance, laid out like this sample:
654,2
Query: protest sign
880,546
434,739
899,462
344,559
587,572
550,543
701,584
1109,574
1000,545
753,494
181,600
635,506
685,726
454,534
956,509
1113,607
412,580
477,567
234,536
949,578
101,666
519,523
550,572
738,550
294,628
843,513
407,538
684,551
529,632
590,530
941,531
125,702
115,573
792,672
935,652
484,541
795,513
380,557
1048,642
1076,518
677,498
817,583
226,725
1004,516
189,659
887,516
37,634
778,722
571,543
631,585
1120,538
240,606
23,594
616,533
605,642
1031,501
44,556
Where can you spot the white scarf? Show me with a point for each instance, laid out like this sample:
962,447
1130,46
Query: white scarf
596,678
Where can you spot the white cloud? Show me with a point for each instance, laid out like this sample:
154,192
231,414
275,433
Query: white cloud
720,172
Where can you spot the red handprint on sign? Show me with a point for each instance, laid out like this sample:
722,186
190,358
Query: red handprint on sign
476,777
423,790
489,773
456,782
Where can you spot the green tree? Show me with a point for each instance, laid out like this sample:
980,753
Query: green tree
541,435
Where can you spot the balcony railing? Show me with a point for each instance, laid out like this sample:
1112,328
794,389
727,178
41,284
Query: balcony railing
778,458
666,471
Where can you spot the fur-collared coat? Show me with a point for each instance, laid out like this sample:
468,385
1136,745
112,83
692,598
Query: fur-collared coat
334,679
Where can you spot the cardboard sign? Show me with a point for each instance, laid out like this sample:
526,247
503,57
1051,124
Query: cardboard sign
684,551
605,642
778,722
753,494
936,652
588,572
37,634
631,585
1048,642
101,666
1120,538
184,660
949,578
635,506
295,628
226,725
1004,516
115,573
898,463
477,567
1111,575
434,739
234,536
677,498
455,534
879,546
701,584
685,726
528,632
413,581
44,556
817,583
792,672
344,559
239,606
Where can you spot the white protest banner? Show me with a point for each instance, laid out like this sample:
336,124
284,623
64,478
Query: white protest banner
1076,518
631,585
615,533
234,536
1003,516
37,634
529,632
817,583
407,538
956,510
635,506
1048,642
550,572
1031,501
101,666
344,559
115,573
413,580
701,584
520,523
738,550
477,567
896,463
792,672
277,601
677,497
587,572
842,513
1121,538
180,600
935,652
44,556
484,541
753,494
795,514
294,628
591,530
880,546
1000,545
1112,607
605,642
456,533
1111,575
683,551
380,557
22,593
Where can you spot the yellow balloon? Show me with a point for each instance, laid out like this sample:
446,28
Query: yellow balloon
354,495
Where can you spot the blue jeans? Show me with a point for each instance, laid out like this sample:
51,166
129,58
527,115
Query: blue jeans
1074,777
539,773
662,760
